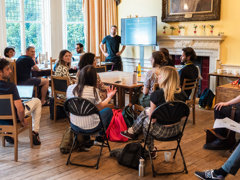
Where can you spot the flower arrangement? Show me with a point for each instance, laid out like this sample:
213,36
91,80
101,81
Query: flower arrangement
164,29
195,28
172,28
212,27
179,28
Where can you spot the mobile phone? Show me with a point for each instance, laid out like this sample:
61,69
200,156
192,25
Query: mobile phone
117,81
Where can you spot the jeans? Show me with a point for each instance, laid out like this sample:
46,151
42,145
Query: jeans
106,115
233,163
34,107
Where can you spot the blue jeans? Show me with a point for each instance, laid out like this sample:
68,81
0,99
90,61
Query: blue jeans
106,116
233,163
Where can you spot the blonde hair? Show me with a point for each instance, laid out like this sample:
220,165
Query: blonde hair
169,81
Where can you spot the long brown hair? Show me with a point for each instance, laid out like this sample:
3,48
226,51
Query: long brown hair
159,59
86,77
169,81
60,58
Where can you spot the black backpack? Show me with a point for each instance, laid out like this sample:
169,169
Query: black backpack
206,98
131,154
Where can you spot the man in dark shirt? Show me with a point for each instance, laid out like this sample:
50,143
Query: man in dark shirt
25,64
189,71
113,54
32,106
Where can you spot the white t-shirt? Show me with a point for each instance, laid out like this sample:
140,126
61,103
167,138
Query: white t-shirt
85,122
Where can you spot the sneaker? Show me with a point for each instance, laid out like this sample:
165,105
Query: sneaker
128,135
209,174
154,153
9,139
36,138
98,141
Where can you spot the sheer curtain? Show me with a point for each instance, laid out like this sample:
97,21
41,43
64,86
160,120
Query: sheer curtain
99,16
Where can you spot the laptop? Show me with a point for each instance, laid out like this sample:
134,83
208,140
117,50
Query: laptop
25,91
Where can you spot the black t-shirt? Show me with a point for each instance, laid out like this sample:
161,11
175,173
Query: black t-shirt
24,66
8,88
188,72
157,97
112,44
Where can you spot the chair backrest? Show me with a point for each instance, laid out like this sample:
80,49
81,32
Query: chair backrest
80,107
170,112
7,112
191,84
59,84
13,77
52,62
101,69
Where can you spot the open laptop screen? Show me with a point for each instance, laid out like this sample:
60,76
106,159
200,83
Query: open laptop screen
25,92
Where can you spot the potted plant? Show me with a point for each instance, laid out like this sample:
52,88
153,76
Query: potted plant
180,30
164,29
212,27
172,28
195,29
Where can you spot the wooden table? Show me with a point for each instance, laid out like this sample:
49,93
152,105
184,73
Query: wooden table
226,92
220,75
111,78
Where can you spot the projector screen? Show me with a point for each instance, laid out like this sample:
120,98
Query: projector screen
140,31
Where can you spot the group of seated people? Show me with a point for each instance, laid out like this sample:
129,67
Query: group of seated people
88,85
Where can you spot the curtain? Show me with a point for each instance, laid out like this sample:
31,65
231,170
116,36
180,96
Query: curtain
99,16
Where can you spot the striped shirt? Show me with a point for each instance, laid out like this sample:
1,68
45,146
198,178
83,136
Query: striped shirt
85,122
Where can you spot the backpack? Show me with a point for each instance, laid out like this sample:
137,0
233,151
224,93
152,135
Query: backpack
206,98
116,126
128,115
130,155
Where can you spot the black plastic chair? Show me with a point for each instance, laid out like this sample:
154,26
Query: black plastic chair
167,114
82,107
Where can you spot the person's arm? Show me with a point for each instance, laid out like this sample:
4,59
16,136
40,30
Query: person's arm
120,52
145,90
110,93
102,49
236,100
20,111
35,68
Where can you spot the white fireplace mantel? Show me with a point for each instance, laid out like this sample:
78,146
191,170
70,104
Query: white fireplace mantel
203,45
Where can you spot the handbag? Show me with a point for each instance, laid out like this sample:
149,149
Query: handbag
116,126
128,115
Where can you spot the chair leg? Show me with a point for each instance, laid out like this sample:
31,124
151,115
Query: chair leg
70,153
193,113
54,111
99,156
151,160
3,141
30,133
15,137
176,150
185,167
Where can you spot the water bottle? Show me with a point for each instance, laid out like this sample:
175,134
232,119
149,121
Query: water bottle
139,70
141,168
135,77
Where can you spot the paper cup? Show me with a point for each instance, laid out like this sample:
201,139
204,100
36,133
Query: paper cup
219,71
167,156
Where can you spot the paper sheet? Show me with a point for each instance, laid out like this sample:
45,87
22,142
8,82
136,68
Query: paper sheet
227,123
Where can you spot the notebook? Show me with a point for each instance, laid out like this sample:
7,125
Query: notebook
25,91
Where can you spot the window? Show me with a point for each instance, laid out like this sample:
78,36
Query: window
25,24
73,30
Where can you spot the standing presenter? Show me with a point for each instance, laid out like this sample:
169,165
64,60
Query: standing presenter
113,54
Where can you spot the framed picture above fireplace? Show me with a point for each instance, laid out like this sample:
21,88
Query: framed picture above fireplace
190,10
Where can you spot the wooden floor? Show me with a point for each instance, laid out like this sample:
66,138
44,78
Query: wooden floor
46,161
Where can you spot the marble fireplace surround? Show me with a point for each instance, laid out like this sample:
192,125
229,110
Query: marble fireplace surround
208,46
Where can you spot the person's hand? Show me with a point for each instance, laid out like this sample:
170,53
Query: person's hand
118,53
218,106
106,54
24,123
111,91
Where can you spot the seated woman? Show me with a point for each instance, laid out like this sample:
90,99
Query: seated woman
170,61
169,84
90,59
86,87
9,52
158,60
222,110
63,65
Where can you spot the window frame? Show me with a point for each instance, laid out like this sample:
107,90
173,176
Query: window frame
45,26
